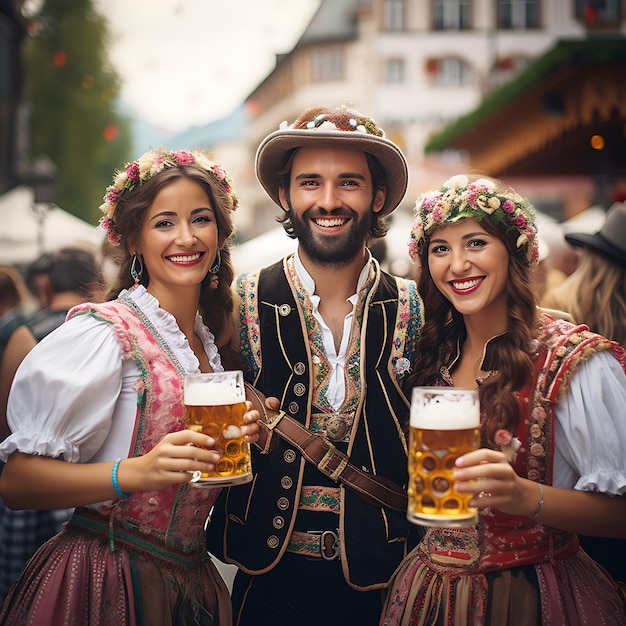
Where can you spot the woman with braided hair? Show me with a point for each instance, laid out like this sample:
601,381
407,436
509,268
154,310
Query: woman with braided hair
108,385
552,460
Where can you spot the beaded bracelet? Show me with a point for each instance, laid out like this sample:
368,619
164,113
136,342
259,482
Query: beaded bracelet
539,508
116,485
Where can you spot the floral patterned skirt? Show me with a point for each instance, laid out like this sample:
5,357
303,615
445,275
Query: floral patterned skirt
569,592
75,578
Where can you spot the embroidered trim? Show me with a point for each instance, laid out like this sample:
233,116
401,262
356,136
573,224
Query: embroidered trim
326,499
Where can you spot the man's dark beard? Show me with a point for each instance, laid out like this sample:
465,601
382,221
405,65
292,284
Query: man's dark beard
336,251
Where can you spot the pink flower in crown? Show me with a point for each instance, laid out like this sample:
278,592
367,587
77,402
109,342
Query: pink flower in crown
520,221
112,195
508,206
471,197
182,157
219,173
108,226
132,169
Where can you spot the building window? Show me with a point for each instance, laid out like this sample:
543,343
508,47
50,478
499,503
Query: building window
395,71
598,12
449,72
394,15
518,14
327,64
452,14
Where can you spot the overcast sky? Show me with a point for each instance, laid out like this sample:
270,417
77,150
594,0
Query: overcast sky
188,62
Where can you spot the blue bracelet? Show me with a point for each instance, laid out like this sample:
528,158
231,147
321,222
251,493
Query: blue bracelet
116,486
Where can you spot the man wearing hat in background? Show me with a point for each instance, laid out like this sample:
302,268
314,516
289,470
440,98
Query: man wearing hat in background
322,526
595,293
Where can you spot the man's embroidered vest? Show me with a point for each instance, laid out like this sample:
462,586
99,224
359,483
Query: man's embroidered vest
251,524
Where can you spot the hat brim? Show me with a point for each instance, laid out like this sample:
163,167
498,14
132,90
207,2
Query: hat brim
270,158
598,242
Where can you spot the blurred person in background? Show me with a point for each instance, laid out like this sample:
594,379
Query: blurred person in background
595,294
13,315
71,276
59,281
13,298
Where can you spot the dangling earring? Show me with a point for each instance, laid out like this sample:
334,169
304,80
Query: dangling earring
214,281
136,268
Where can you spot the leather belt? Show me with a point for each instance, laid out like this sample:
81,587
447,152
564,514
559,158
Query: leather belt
316,449
315,543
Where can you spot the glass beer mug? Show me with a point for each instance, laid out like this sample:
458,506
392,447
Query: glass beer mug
445,425
214,405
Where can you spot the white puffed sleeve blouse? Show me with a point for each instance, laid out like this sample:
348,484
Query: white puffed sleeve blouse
73,396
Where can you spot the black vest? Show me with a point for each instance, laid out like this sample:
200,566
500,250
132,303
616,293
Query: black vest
251,524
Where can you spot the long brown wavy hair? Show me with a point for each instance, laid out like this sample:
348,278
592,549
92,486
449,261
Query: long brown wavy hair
512,352
216,304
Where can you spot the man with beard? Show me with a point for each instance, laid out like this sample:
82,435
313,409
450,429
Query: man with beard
322,526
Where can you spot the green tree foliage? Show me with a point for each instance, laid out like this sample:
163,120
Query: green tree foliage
70,90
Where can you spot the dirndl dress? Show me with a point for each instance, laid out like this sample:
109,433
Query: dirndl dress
140,560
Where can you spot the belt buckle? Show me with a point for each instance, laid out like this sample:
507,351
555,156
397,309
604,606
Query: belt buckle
329,543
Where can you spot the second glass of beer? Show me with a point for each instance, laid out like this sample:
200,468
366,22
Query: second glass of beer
444,425
214,405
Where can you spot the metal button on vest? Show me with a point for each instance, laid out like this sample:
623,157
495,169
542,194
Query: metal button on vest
284,309
289,456
278,521
293,407
273,541
299,368
286,482
299,389
282,503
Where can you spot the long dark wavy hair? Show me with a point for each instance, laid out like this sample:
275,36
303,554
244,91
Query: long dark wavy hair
216,304
512,352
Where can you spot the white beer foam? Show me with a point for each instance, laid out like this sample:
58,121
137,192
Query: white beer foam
213,394
446,414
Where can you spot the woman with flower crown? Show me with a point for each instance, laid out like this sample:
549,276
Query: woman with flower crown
107,385
552,460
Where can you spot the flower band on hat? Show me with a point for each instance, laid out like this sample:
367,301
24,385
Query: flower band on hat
145,167
460,198
342,119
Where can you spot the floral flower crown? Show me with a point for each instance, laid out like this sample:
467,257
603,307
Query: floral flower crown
459,198
342,119
145,167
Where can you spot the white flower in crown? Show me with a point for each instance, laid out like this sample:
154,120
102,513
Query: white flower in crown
484,182
456,182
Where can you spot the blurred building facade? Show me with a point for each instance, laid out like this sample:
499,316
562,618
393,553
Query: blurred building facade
415,66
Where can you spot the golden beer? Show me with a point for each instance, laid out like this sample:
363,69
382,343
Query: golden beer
444,425
214,405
